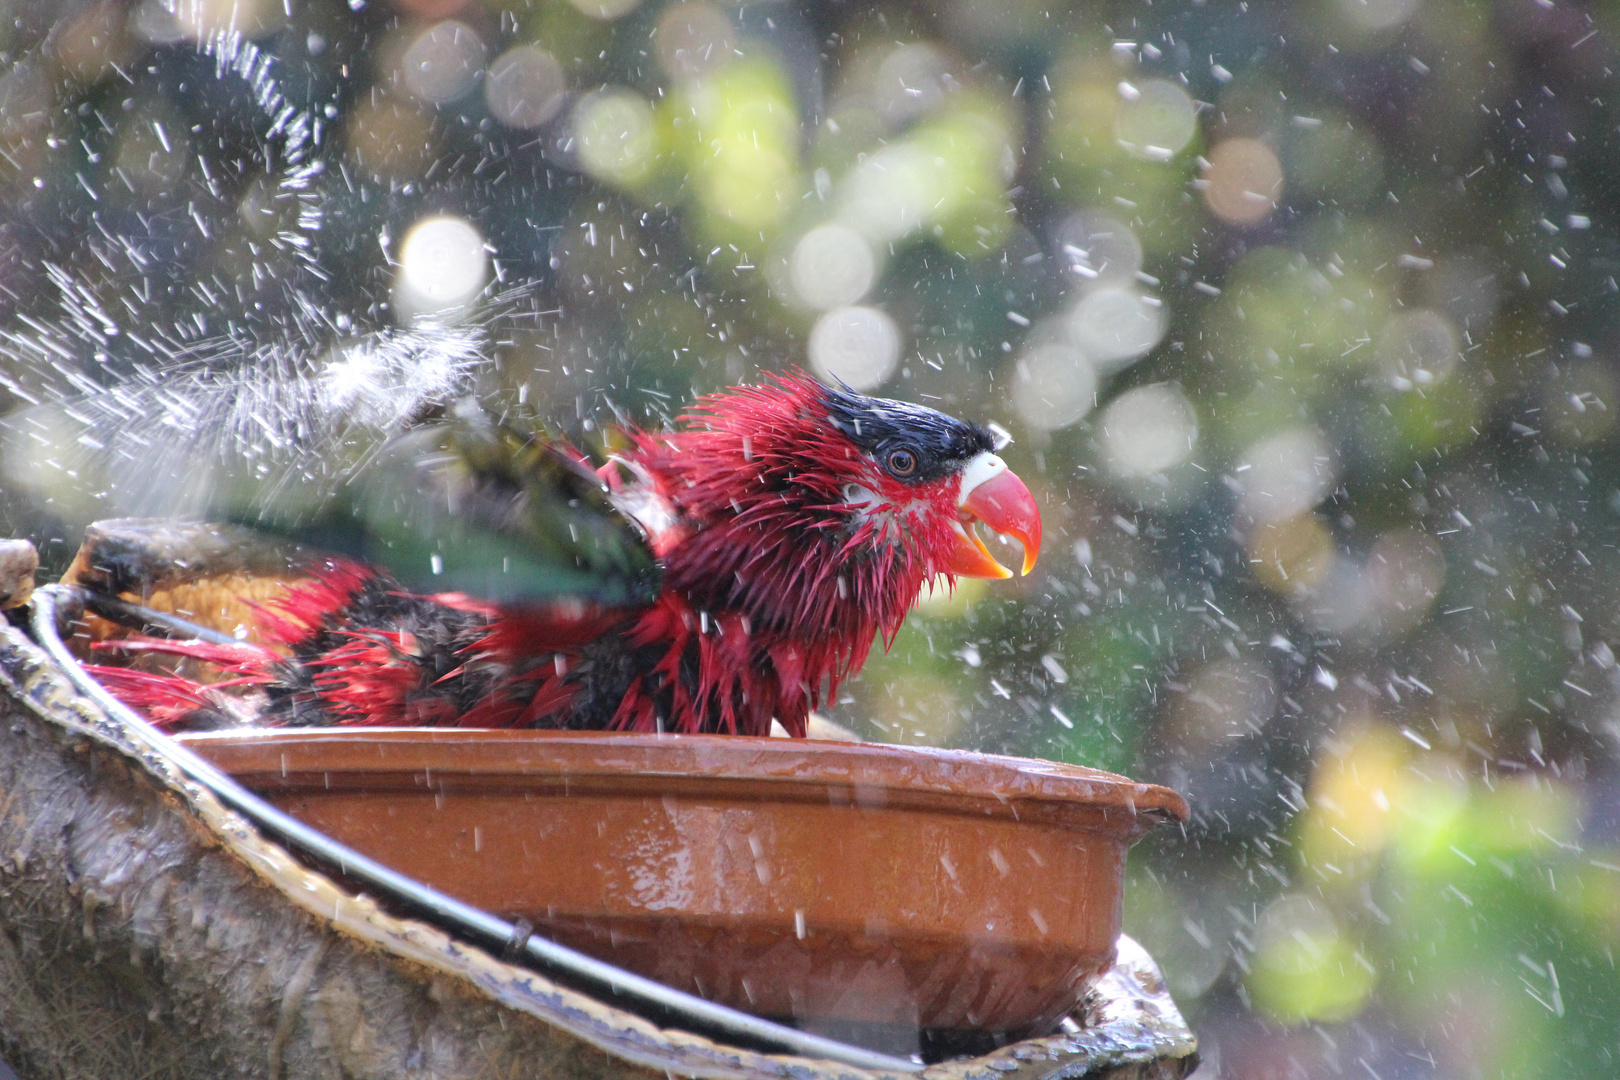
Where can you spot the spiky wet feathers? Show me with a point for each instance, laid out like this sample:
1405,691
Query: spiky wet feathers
788,547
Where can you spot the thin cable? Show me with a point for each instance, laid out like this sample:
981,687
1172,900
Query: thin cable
127,614
644,997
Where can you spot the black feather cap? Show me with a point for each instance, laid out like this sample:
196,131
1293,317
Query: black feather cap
937,444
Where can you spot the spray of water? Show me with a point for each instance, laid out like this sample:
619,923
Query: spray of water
148,418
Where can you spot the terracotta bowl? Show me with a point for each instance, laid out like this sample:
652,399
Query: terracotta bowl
826,884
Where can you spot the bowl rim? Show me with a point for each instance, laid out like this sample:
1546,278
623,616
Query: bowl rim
875,772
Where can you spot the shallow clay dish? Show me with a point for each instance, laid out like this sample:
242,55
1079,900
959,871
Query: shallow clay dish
828,884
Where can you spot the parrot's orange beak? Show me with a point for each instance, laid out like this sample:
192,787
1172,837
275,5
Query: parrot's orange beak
993,494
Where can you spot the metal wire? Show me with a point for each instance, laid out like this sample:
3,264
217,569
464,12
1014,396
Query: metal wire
652,1000
128,614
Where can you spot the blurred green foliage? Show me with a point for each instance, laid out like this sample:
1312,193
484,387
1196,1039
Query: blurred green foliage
1358,607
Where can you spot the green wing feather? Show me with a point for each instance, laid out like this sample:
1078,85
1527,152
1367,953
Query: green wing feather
464,504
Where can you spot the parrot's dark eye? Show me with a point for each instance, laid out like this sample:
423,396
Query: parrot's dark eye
912,443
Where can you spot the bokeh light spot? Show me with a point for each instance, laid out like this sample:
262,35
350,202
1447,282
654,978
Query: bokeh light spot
1098,248
1378,600
859,345
739,129
691,38
1244,181
1113,325
1305,966
431,9
1418,347
616,136
155,24
890,193
525,87
1053,386
1291,554
1285,474
606,10
1355,787
1378,14
948,172
910,82
197,19
832,266
443,62
443,266
1148,430
1157,122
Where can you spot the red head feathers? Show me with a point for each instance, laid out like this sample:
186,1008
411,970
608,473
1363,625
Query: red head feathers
795,523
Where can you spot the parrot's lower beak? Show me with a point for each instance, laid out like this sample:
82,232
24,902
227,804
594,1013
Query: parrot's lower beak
993,494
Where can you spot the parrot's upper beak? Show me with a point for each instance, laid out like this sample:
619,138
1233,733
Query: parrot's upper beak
993,494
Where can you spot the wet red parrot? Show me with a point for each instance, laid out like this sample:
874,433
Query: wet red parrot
793,524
